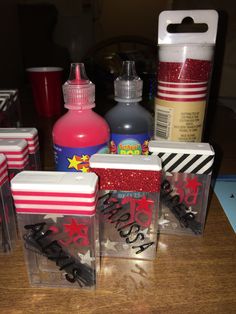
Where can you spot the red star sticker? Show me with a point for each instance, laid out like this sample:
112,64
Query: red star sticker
143,204
192,184
73,228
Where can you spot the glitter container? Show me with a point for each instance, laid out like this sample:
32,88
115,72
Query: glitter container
31,136
128,204
184,73
58,226
187,169
17,154
7,216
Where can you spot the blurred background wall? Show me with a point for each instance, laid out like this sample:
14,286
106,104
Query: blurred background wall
28,38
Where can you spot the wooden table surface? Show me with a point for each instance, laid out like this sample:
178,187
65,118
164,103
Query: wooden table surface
189,275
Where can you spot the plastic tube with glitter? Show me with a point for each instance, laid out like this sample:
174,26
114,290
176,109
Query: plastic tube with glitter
7,215
31,136
187,169
17,154
184,73
128,204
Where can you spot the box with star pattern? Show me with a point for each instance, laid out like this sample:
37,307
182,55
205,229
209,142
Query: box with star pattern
58,225
187,169
128,206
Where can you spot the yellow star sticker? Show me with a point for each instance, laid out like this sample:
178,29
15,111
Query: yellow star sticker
84,169
84,157
73,162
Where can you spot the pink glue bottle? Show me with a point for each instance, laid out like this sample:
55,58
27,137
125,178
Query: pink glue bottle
81,132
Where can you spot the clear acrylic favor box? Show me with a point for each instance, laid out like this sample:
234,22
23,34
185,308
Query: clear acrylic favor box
17,154
58,225
31,136
8,232
128,204
185,187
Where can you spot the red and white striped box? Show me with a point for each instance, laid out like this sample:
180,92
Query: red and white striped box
17,154
128,204
7,216
187,171
31,136
56,217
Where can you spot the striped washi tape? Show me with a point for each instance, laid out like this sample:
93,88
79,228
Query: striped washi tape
45,192
183,92
187,163
184,157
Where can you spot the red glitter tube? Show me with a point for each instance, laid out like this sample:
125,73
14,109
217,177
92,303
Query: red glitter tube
128,205
184,74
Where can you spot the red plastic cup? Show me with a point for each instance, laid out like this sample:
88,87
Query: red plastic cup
46,85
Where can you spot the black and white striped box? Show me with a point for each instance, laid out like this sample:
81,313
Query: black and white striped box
187,170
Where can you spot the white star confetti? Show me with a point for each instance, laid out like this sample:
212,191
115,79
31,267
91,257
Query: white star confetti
125,246
145,231
163,221
191,211
86,258
53,217
109,245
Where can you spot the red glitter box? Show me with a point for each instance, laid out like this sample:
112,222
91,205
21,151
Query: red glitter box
128,204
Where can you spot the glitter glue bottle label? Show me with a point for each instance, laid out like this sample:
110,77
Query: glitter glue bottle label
184,74
131,144
73,159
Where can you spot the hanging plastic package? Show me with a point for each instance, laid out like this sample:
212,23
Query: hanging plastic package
186,41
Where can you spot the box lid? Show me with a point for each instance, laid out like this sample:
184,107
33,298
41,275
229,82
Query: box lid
131,162
12,145
16,152
47,192
29,134
21,133
180,147
184,157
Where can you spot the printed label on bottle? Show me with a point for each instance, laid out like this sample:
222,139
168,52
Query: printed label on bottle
73,159
179,121
182,90
132,144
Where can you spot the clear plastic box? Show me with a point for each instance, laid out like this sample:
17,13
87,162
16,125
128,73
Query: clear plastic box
31,136
17,154
7,215
11,108
128,204
185,187
58,224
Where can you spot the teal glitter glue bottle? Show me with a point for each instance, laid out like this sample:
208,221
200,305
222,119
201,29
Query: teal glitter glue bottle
81,132
131,124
